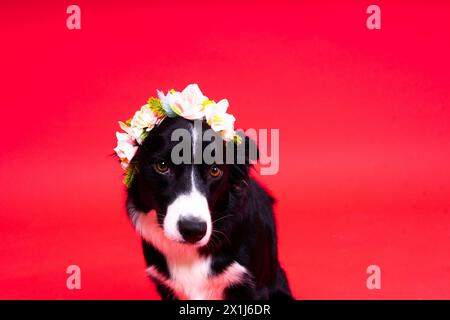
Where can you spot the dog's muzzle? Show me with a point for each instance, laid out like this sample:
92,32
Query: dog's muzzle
192,229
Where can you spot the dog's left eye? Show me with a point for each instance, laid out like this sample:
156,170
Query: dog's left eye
161,167
215,171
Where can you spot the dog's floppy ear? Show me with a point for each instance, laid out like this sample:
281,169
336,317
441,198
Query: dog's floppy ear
135,193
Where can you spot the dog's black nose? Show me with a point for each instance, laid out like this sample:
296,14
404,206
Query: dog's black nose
192,229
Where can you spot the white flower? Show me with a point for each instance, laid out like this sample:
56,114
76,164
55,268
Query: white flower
219,120
228,134
126,148
193,95
187,104
144,118
190,104
218,108
134,133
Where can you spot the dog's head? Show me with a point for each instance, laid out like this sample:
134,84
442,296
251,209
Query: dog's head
192,199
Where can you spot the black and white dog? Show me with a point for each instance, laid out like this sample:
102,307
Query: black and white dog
208,230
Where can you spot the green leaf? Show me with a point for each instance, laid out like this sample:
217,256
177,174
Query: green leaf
129,175
144,135
156,106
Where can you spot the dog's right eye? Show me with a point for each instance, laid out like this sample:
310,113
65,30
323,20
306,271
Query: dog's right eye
161,167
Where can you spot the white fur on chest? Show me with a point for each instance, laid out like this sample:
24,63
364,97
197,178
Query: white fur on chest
190,274
194,281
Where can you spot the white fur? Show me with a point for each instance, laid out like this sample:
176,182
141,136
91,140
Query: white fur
194,282
191,204
190,273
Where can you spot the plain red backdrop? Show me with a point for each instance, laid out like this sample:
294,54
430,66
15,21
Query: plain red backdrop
363,116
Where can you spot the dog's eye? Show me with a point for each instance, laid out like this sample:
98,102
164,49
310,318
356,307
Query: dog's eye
161,166
215,172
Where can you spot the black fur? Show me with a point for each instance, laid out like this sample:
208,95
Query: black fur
241,209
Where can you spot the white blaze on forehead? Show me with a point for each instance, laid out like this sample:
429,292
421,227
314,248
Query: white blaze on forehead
190,204
194,134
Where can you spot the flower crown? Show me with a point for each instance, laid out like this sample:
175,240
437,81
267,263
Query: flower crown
190,104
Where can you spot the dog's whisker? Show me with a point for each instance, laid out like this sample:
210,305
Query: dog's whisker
223,217
222,233
214,241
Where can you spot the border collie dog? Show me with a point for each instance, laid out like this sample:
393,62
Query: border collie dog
208,231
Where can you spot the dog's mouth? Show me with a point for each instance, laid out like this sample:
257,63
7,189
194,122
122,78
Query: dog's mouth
198,244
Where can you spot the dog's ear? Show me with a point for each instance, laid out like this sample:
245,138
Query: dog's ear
138,195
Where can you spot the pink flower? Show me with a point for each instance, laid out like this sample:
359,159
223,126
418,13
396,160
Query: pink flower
126,148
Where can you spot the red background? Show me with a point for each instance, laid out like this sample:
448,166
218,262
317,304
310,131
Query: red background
363,116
